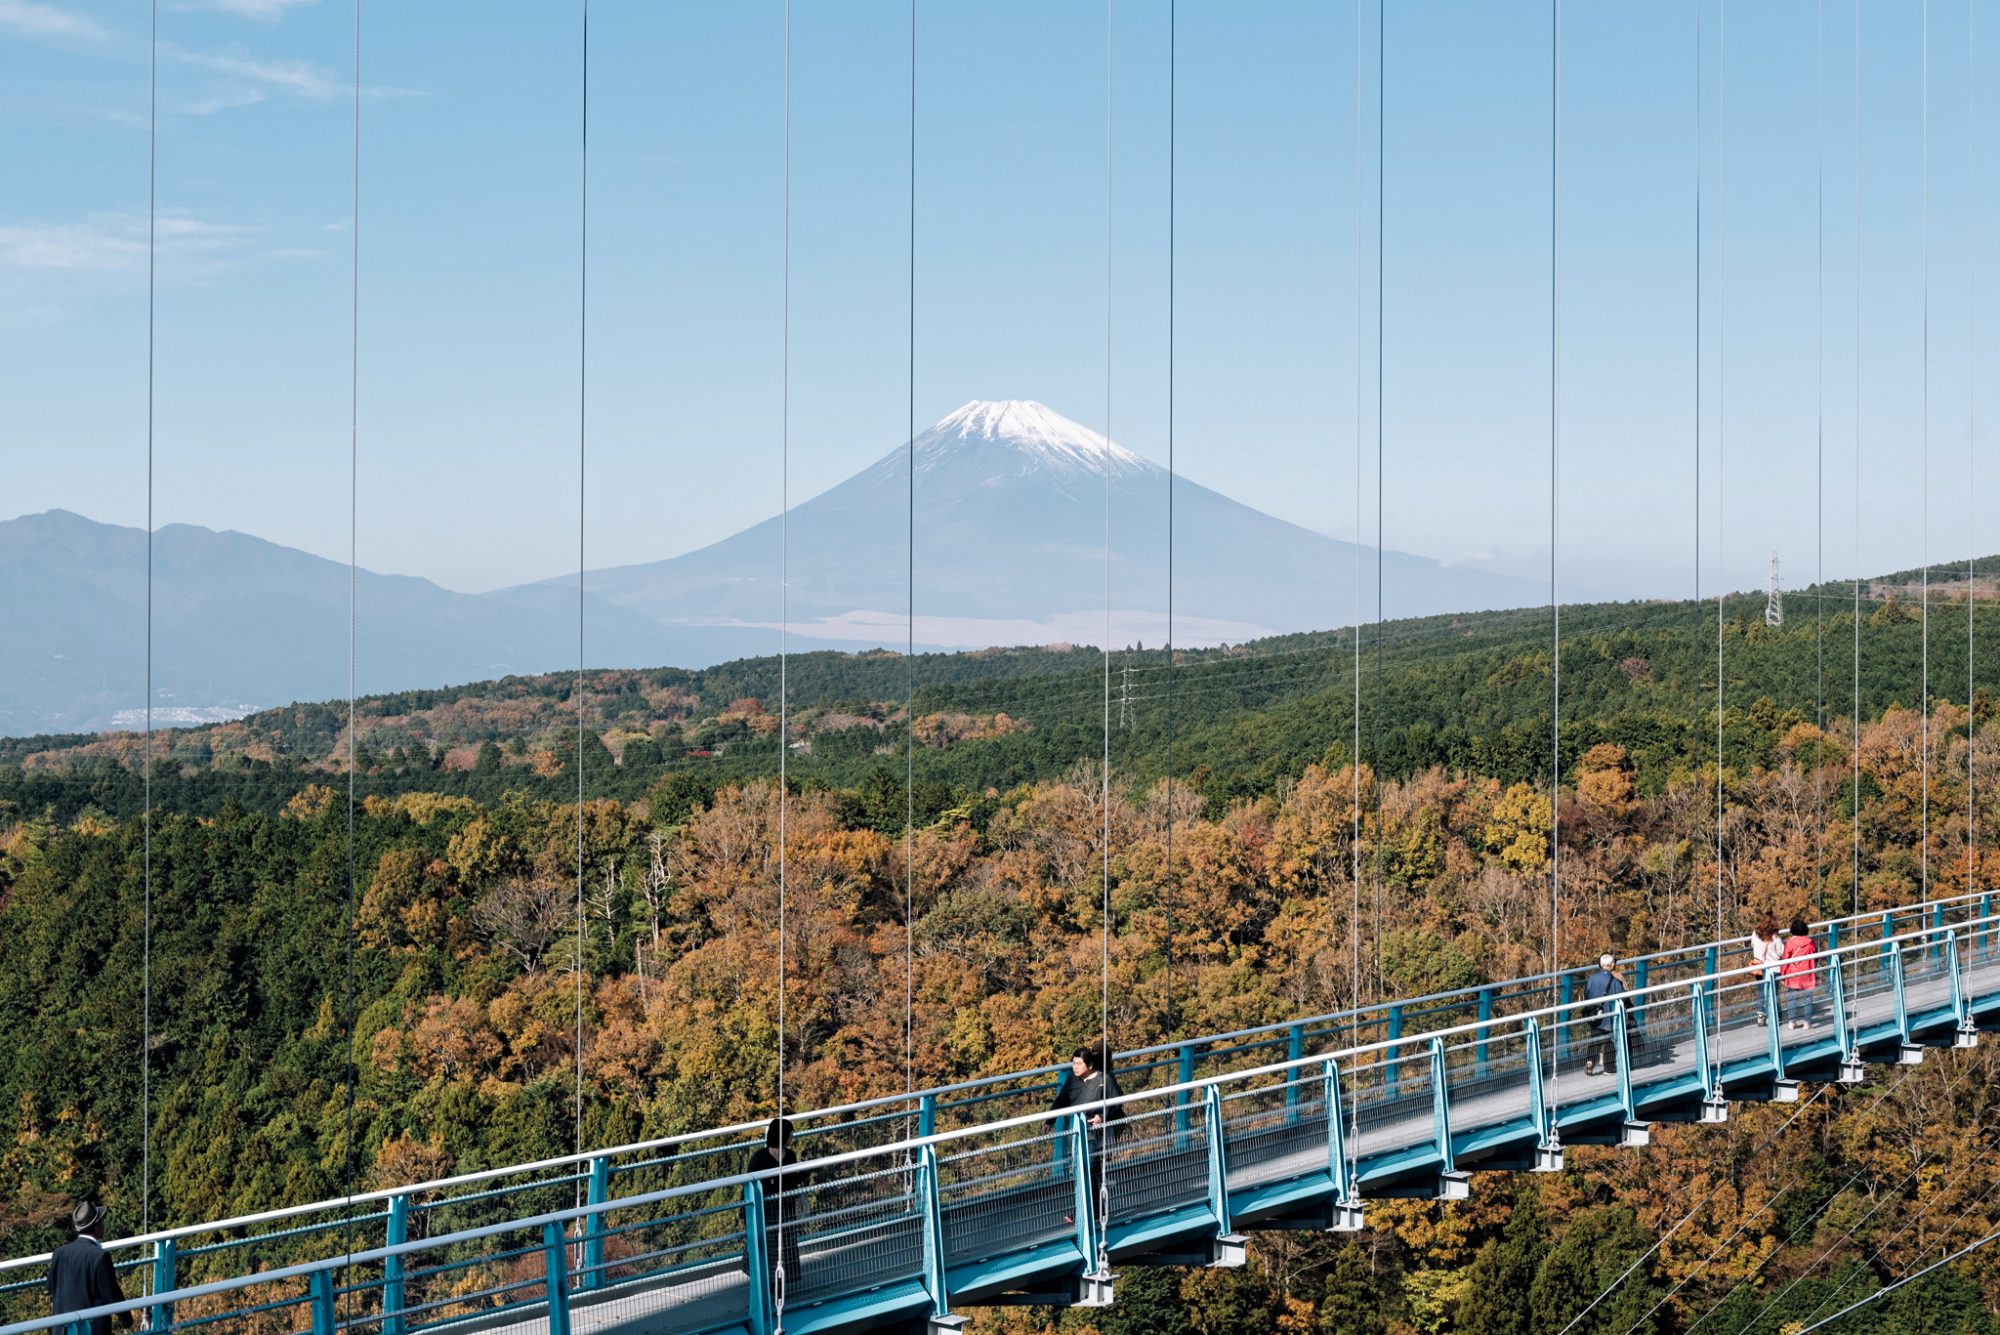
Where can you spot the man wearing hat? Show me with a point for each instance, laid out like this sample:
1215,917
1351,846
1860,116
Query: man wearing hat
81,1275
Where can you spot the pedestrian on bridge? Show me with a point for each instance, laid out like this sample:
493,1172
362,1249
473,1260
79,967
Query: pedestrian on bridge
1798,974
1603,985
782,1209
1767,947
81,1275
1091,1080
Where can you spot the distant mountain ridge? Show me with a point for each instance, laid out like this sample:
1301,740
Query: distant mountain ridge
241,623
1011,503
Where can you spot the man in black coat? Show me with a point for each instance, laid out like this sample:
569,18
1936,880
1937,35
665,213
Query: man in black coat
781,1222
1601,987
81,1275
1091,1080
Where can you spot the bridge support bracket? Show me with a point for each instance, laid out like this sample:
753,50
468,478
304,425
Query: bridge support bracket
1714,1111
1094,1288
1852,1069
1784,1091
1454,1185
944,1325
1548,1158
1966,1038
1344,1217
1231,1251
1910,1054
1635,1135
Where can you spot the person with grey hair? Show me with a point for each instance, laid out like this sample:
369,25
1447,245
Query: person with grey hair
81,1275
1603,985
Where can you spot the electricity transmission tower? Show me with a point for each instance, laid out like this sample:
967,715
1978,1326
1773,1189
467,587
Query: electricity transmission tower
1774,601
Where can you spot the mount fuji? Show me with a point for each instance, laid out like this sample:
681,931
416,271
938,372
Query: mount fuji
993,523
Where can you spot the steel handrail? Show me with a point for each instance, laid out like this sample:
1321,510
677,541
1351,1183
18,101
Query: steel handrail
908,1099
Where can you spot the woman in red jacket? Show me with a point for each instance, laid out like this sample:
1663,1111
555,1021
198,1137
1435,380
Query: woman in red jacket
1798,975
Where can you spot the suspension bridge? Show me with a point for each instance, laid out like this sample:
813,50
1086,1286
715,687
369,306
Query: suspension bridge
905,1211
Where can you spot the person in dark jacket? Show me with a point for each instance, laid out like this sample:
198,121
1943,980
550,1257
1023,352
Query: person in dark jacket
81,1275
1601,987
781,1211
1091,1080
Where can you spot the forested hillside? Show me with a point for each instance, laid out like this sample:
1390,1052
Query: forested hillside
1233,811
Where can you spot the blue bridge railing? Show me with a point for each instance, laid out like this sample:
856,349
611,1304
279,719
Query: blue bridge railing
1037,1206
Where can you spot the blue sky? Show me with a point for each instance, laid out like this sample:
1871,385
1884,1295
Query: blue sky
469,373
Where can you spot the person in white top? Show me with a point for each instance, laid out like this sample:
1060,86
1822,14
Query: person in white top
1767,947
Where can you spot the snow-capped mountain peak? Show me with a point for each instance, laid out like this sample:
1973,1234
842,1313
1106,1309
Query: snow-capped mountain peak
1044,436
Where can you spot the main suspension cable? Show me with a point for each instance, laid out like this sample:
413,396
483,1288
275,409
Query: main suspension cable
1682,1222
1885,1292
1922,1210
1816,1214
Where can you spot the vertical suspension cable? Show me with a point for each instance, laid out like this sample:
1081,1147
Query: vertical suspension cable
1854,748
1173,163
146,911
1819,446
1971,434
1721,404
353,574
1381,415
910,630
784,646
1104,769
1699,155
1555,489
1924,691
1354,844
582,439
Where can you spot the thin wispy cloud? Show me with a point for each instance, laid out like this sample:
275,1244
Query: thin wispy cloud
220,99
292,78
24,318
301,78
263,11
48,23
115,244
